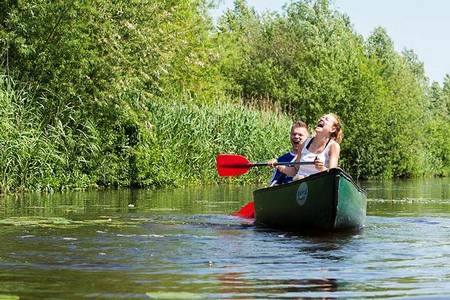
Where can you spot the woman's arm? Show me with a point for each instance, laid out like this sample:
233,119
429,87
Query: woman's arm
333,155
335,150
297,159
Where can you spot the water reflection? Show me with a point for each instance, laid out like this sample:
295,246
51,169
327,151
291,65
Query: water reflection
205,199
421,189
238,285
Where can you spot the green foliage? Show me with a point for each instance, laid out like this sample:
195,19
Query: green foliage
35,155
93,68
169,144
106,59
105,47
187,138
437,141
147,93
395,99
311,62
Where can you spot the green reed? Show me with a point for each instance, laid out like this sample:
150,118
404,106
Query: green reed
34,153
167,144
183,141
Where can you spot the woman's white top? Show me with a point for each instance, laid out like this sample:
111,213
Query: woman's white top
307,156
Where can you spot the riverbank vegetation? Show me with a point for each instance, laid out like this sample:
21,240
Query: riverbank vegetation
146,93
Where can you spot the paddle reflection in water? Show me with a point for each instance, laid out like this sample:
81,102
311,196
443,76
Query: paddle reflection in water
184,244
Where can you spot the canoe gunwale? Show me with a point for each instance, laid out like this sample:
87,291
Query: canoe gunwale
339,171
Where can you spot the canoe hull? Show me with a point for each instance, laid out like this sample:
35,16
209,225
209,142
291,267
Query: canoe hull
326,201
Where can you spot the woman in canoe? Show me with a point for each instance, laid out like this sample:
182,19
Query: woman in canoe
322,148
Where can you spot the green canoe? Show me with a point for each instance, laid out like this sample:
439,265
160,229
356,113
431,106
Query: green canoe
326,201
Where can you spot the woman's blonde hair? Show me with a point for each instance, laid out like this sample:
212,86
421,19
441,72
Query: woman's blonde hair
338,135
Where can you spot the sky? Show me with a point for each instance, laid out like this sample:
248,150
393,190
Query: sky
420,25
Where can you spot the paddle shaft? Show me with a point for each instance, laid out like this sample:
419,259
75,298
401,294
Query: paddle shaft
249,165
233,165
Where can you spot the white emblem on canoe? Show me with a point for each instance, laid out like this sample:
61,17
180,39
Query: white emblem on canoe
302,193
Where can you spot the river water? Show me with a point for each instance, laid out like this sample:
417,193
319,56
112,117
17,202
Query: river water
183,244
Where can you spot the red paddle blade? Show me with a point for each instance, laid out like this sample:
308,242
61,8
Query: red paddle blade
232,165
248,211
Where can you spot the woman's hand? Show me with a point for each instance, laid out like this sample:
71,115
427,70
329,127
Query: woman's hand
320,166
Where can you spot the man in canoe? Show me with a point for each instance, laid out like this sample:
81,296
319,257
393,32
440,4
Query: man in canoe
299,134
323,149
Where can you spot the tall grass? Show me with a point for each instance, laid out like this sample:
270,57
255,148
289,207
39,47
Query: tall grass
35,154
23,152
187,139
161,144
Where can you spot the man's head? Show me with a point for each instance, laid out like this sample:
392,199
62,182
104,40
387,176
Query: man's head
299,134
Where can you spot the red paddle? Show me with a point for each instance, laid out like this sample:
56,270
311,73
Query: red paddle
233,165
248,211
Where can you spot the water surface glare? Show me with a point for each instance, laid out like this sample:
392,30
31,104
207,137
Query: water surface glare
183,244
